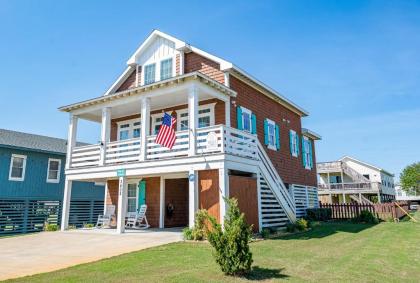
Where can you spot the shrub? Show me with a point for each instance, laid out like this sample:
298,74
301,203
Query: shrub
291,228
318,214
50,227
88,225
199,232
301,224
265,233
187,233
231,244
366,216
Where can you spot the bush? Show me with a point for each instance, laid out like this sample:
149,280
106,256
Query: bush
291,228
187,233
318,214
265,233
88,225
366,216
231,245
50,227
301,224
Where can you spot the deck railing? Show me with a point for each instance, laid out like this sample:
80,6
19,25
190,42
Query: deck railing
350,186
213,139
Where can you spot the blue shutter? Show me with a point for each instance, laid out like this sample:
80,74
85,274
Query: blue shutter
304,153
142,193
310,154
291,141
254,124
297,144
277,137
265,132
239,118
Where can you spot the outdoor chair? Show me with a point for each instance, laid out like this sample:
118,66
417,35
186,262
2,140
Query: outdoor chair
136,221
105,220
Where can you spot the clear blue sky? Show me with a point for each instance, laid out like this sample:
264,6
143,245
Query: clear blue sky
354,65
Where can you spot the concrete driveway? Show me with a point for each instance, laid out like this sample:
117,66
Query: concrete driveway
48,251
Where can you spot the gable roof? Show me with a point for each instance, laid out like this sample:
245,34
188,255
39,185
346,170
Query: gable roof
366,164
33,142
225,66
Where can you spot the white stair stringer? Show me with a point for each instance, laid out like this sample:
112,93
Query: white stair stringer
365,200
353,174
278,206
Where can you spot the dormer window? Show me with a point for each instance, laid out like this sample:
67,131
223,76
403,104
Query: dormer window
149,74
166,69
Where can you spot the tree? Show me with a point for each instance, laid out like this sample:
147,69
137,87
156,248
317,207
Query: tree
231,244
410,177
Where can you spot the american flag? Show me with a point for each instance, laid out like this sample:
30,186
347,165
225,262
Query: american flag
166,136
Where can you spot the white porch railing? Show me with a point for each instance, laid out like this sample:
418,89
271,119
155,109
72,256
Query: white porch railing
214,139
374,186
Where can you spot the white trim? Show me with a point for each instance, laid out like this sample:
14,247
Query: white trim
271,146
20,179
120,80
210,106
58,173
162,202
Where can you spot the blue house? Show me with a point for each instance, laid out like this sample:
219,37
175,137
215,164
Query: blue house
32,184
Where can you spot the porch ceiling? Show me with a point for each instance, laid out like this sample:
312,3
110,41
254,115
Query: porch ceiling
165,94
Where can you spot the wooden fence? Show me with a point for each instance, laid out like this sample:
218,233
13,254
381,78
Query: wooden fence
383,211
28,215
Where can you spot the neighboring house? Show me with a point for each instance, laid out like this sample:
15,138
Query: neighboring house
409,195
236,137
32,181
351,180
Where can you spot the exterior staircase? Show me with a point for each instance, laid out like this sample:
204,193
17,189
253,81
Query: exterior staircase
353,174
364,200
277,205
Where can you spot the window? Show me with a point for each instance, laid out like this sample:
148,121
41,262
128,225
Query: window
271,132
166,69
366,176
129,129
307,153
156,122
246,119
17,167
294,143
54,168
205,117
132,198
149,74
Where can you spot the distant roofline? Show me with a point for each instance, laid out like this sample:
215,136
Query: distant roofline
367,164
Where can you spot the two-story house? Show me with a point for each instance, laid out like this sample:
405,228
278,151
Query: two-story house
236,137
32,184
351,180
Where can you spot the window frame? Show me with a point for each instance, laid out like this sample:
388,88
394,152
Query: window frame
21,179
170,70
211,114
308,157
144,73
58,171
274,145
249,112
130,128
154,123
294,143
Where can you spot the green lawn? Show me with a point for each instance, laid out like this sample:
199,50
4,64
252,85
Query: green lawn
331,252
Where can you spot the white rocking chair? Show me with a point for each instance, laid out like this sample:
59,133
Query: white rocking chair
136,221
105,220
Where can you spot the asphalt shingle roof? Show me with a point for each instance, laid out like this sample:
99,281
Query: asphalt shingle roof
34,142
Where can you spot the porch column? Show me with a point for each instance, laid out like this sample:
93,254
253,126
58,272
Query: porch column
227,112
192,119
192,196
162,203
344,198
360,197
122,204
379,197
223,193
71,141
145,127
328,180
66,205
105,132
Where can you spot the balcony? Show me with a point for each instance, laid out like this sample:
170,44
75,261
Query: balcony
324,167
366,187
209,140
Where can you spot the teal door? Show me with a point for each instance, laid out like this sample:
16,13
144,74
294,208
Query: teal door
142,193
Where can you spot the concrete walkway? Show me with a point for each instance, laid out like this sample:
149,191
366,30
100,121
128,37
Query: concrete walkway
48,251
